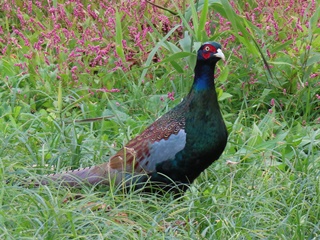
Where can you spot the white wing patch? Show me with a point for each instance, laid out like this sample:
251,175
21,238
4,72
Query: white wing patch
164,150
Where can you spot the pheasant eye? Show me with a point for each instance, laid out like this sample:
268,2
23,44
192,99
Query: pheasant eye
207,48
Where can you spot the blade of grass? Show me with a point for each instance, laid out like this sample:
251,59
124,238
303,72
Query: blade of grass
60,98
201,33
119,37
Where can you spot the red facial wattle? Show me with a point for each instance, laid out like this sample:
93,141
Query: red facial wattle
206,55
208,50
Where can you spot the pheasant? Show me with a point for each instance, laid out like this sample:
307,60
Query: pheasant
172,151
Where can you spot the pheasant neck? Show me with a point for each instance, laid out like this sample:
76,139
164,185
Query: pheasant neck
204,77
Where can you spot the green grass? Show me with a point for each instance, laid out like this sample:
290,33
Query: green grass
266,185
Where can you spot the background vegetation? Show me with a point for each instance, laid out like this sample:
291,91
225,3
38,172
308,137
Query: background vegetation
130,61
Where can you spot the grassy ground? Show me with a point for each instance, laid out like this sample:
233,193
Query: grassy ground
132,62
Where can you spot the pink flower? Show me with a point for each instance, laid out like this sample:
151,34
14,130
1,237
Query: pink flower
104,89
272,102
29,56
171,95
4,49
74,73
284,91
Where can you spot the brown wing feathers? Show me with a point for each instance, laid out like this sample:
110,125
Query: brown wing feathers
126,160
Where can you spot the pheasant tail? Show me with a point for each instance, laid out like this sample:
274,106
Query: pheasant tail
100,174
121,167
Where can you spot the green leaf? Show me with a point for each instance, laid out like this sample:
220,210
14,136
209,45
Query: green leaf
283,63
186,42
314,20
224,96
255,138
203,18
176,66
194,16
176,56
265,93
171,47
119,37
60,97
281,46
16,111
224,74
313,60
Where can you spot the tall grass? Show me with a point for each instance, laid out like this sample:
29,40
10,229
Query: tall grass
120,66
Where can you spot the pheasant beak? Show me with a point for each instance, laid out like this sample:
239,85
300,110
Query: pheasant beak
220,54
